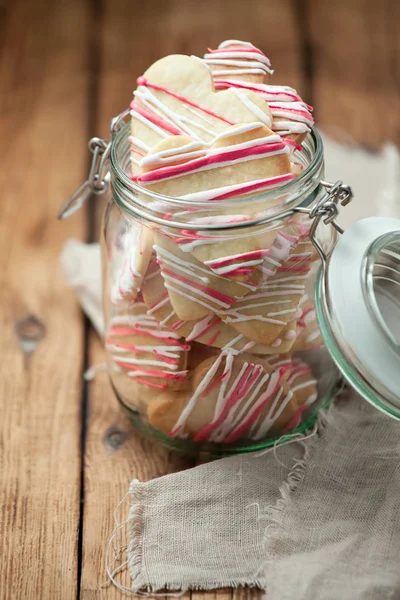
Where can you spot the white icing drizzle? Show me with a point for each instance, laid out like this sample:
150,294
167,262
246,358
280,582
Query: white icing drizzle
156,106
139,360
193,400
272,416
313,336
199,328
256,110
183,278
172,155
159,305
138,117
291,110
279,250
261,184
139,143
226,43
128,279
244,56
195,166
280,288
235,415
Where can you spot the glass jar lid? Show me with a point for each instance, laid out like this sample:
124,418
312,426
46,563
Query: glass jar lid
357,300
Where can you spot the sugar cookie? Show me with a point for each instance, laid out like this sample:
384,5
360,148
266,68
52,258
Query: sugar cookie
127,279
232,398
308,333
176,96
210,330
291,117
240,60
153,357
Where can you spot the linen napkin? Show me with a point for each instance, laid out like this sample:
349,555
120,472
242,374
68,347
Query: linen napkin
319,518
316,518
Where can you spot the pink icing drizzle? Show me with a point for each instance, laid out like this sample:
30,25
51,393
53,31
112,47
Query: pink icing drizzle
250,375
209,291
199,163
223,84
252,417
146,83
247,188
155,119
247,49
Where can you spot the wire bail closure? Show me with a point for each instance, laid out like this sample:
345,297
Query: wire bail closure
328,210
99,174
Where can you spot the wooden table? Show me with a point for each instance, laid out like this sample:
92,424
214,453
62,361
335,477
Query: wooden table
67,453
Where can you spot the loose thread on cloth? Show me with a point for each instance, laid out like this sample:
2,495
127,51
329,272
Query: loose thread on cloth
128,532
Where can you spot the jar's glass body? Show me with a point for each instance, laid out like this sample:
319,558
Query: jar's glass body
211,336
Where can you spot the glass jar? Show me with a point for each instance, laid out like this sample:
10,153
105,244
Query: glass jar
211,334
211,337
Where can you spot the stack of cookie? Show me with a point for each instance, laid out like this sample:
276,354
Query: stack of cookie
211,305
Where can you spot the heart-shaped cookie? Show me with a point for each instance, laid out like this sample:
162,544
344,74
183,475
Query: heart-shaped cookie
291,117
194,291
176,96
210,330
262,314
301,381
232,398
252,159
239,60
308,332
127,277
151,356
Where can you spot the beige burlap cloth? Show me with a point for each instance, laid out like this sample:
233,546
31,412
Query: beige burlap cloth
316,519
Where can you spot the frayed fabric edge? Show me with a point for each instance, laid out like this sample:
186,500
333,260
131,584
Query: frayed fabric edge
275,514
137,492
133,525
127,538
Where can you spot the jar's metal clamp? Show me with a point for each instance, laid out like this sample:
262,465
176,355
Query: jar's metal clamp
327,209
99,174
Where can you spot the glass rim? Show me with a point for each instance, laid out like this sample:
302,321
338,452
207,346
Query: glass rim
342,356
300,191
382,243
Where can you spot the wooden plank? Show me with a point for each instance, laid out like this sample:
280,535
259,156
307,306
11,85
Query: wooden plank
356,80
133,36
246,594
229,594
114,456
222,594
43,130
114,453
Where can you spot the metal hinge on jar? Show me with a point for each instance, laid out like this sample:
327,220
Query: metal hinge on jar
99,175
327,209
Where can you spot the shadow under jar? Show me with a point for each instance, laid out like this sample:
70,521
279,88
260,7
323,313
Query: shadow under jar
210,329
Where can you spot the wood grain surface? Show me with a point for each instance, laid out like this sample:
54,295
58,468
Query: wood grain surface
66,67
355,58
43,83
